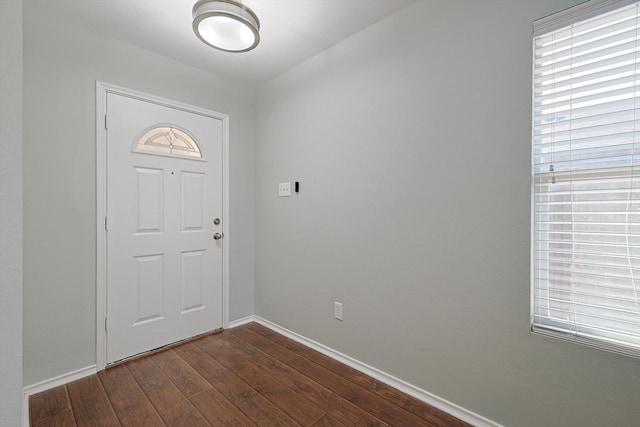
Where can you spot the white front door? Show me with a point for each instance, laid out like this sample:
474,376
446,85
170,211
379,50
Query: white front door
164,210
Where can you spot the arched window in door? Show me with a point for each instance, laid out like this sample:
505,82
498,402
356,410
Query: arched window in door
168,140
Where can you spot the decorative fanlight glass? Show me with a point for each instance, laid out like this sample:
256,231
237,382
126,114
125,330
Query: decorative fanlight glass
168,140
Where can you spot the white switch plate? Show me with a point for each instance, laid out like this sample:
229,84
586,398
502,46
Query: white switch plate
337,310
284,189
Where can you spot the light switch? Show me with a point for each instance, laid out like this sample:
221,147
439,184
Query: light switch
284,189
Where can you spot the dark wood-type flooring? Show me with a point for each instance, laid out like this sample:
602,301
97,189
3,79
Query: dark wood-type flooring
244,376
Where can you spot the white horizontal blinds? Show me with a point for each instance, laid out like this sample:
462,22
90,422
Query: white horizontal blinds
586,158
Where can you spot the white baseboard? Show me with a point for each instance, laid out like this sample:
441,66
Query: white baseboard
405,387
242,321
48,385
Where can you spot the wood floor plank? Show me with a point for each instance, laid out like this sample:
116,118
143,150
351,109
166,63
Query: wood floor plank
264,413
349,413
91,407
147,373
61,419
263,343
48,403
174,408
315,393
225,382
411,404
294,346
377,406
132,406
258,328
276,337
181,373
284,372
317,357
218,410
327,421
295,406
256,377
277,392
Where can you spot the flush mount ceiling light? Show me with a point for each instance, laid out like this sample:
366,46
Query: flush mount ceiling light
226,25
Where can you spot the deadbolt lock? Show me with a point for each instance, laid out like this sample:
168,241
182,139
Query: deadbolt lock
216,221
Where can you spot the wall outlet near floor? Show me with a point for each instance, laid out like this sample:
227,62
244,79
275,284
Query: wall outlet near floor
337,310
284,189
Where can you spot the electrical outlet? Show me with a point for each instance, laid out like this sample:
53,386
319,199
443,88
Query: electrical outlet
284,189
337,310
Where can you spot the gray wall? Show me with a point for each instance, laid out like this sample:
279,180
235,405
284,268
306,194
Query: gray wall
10,212
411,141
61,65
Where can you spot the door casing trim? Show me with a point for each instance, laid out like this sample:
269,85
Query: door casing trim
102,89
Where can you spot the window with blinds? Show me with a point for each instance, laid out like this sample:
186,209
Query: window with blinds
586,181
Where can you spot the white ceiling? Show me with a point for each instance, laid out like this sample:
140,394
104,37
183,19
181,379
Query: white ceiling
291,30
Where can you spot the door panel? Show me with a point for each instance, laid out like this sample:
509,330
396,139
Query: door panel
192,268
150,289
164,269
192,198
149,200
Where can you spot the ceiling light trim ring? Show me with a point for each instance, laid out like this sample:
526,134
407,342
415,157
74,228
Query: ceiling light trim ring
228,8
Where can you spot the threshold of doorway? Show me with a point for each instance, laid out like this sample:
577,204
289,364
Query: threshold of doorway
164,347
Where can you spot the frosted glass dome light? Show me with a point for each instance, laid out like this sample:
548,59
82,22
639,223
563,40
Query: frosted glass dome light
226,25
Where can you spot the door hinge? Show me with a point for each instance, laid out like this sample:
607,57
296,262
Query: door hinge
106,228
105,121
106,329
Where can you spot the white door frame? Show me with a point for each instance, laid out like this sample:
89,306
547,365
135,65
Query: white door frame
102,89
